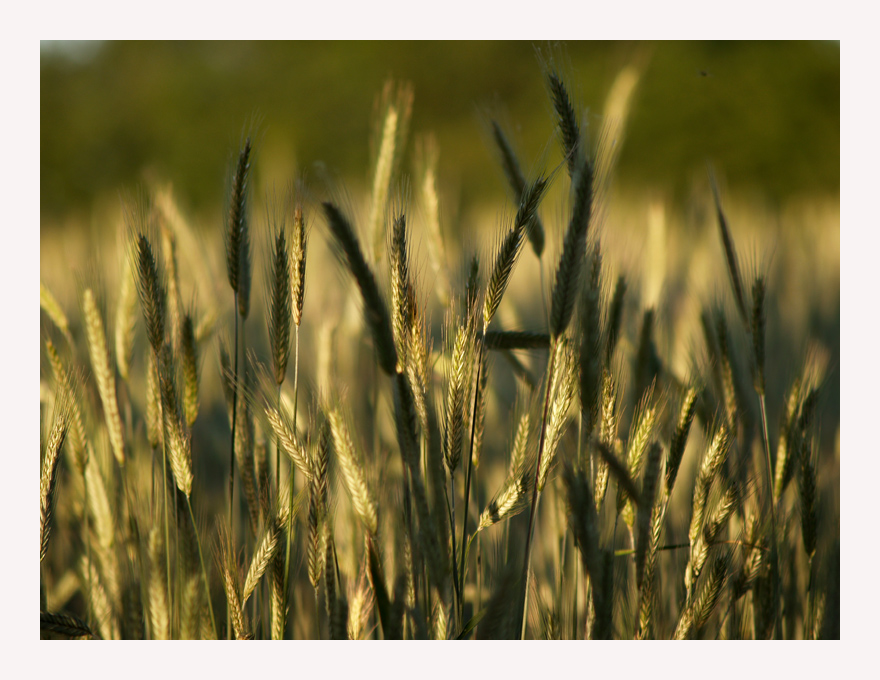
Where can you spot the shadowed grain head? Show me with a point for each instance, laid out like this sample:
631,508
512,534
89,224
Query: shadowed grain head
279,301
568,270
349,250
236,233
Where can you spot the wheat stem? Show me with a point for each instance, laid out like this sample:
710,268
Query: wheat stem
292,467
535,496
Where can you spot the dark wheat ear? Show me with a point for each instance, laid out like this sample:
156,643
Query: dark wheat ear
151,290
650,483
236,222
472,289
729,254
516,179
808,497
245,267
66,624
348,248
571,260
566,121
615,317
590,349
758,331
584,522
509,340
279,302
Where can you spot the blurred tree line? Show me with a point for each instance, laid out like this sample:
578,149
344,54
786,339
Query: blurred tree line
766,114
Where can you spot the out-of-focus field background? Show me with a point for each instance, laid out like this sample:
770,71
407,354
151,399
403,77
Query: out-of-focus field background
766,113
168,118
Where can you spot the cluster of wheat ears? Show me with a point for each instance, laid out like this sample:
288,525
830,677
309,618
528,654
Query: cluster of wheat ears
367,513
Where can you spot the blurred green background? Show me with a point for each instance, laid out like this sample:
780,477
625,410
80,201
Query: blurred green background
767,115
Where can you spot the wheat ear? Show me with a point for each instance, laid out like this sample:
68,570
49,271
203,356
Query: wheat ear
566,121
297,291
189,355
66,624
397,111
126,319
69,386
375,311
279,301
353,472
262,559
615,317
729,253
650,482
50,305
151,290
229,569
713,459
104,375
510,247
236,224
695,617
175,304
48,474
572,257
160,621
680,436
517,182
590,349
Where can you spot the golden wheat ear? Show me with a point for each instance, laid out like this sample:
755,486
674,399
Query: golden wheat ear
54,311
49,471
510,247
105,376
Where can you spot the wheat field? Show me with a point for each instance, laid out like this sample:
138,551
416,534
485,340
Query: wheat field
338,415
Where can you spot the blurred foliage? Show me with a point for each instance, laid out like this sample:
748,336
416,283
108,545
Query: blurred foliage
768,114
